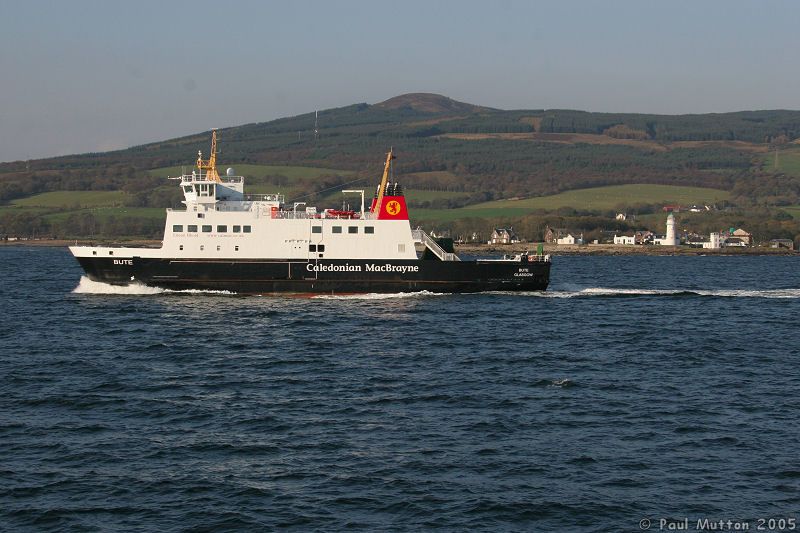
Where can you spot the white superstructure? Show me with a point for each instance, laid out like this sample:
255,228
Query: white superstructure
221,222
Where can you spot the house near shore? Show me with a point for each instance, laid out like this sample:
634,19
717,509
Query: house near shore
742,235
734,242
626,240
552,235
570,239
714,242
787,244
503,236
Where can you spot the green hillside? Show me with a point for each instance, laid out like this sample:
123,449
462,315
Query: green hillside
451,155
603,198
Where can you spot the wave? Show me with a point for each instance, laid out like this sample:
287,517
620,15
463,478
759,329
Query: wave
618,292
87,286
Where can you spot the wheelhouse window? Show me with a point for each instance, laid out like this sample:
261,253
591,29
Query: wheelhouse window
191,227
246,229
369,229
337,229
352,229
206,229
222,229
187,188
237,229
316,229
177,227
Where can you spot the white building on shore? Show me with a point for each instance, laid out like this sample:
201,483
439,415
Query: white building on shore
670,238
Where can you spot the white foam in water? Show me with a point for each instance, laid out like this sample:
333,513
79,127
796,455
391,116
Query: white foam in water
87,286
771,293
720,293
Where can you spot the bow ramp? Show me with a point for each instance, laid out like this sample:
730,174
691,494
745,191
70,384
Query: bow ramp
420,237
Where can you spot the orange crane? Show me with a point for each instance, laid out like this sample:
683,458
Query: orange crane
210,165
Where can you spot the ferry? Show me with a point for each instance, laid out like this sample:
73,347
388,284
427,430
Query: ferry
226,240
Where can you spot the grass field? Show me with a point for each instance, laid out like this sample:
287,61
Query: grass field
793,210
598,198
426,196
293,173
788,161
613,196
60,199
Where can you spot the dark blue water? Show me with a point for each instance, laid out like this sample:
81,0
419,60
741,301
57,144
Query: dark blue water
638,387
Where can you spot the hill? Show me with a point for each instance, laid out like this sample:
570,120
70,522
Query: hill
430,103
472,153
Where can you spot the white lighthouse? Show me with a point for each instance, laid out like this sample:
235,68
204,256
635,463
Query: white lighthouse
669,239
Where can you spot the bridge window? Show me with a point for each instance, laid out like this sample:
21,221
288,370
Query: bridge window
246,229
222,229
237,229
191,227
337,229
177,227
352,229
201,215
369,229
206,229
187,188
316,229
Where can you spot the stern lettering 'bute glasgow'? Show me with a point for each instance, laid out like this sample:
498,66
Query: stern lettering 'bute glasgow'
227,240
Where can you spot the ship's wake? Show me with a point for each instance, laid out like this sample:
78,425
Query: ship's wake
622,293
87,286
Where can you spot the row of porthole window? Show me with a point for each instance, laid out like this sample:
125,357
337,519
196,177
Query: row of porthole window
202,248
192,228
338,229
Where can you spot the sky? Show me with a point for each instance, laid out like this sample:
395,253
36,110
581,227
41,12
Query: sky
83,76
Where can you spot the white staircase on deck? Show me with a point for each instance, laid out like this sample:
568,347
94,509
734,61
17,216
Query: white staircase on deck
423,238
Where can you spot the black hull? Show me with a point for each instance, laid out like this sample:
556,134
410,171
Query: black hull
321,277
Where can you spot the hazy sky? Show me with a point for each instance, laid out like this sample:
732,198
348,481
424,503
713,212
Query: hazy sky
81,76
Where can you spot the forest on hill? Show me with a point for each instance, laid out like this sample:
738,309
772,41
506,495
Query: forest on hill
442,145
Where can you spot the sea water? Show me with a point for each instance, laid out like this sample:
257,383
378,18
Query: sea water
635,391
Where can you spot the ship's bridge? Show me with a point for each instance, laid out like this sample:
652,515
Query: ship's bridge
201,188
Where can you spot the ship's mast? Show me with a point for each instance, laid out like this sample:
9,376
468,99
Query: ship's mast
210,166
384,180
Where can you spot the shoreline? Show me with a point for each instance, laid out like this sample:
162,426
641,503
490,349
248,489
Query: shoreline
486,249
